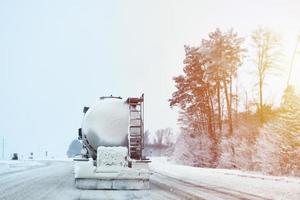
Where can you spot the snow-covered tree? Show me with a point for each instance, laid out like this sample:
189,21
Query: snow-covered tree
208,73
147,137
163,137
193,97
278,147
204,97
225,52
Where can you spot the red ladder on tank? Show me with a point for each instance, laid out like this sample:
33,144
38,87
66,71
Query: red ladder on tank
136,127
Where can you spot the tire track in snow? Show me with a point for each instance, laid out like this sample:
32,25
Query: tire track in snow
193,191
35,184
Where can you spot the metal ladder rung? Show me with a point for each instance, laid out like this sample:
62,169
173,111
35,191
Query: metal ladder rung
135,111
135,144
135,119
135,104
135,148
135,126
136,137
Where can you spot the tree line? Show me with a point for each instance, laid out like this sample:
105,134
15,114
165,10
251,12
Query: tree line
207,92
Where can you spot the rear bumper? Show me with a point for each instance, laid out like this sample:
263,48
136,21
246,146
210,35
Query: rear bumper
87,176
111,184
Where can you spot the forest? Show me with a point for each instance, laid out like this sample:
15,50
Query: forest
219,127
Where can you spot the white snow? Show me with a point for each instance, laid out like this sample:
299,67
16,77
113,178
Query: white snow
84,169
111,163
8,166
106,123
112,156
273,187
56,182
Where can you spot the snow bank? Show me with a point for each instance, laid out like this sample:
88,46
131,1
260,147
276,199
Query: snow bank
266,186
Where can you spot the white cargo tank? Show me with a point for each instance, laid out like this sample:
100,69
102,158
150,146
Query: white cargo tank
112,135
106,124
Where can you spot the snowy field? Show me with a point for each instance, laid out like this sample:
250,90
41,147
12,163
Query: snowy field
35,180
269,187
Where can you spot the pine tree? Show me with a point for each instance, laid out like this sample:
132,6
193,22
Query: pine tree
225,54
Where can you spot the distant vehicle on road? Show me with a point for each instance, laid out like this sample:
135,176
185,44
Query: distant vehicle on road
15,156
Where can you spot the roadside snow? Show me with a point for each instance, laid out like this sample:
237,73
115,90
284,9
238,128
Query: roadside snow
273,187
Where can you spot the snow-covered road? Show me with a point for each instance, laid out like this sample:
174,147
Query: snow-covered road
55,180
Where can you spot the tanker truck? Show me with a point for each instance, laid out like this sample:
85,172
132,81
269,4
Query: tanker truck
112,135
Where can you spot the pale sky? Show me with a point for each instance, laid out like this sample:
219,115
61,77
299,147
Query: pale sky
57,56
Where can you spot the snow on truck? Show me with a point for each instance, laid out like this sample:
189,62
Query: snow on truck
112,135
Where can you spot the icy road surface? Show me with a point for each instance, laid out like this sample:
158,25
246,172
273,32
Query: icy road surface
55,180
34,180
